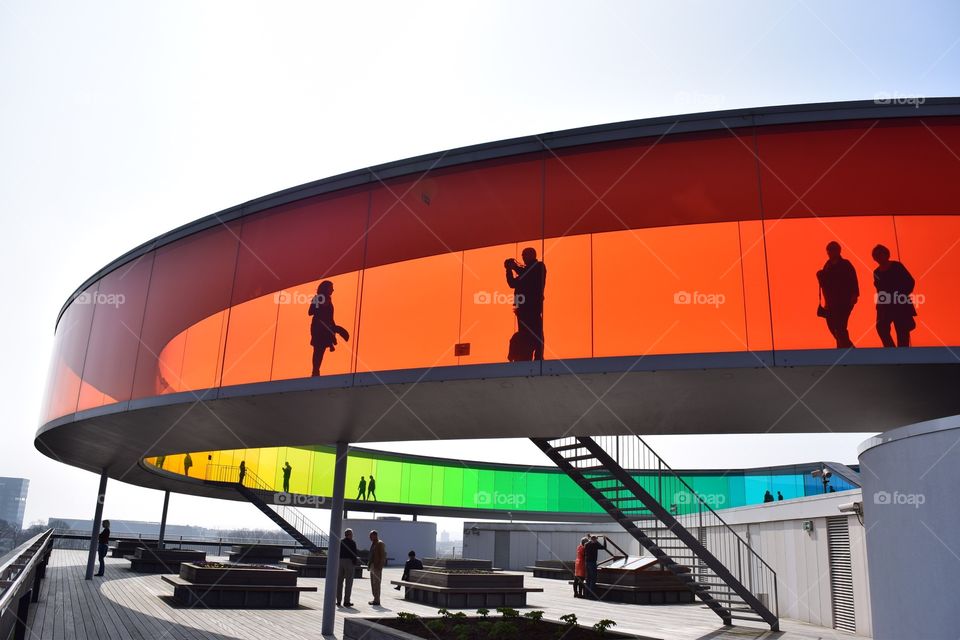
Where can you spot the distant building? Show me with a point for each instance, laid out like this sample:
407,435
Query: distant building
444,536
13,501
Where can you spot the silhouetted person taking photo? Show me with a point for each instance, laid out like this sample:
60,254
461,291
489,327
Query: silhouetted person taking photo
362,489
840,290
528,282
323,330
287,470
894,286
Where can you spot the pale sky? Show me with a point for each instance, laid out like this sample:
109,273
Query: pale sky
122,120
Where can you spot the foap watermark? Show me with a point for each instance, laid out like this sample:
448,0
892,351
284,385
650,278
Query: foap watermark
298,297
298,499
712,500
699,298
899,98
885,297
497,297
101,298
897,498
498,499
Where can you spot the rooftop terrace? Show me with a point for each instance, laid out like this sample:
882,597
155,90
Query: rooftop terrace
129,605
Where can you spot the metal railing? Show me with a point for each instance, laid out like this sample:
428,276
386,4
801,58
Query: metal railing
231,475
692,509
20,576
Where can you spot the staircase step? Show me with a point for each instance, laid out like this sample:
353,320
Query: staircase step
566,447
588,456
748,618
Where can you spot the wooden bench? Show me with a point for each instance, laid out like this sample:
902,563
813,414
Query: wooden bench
465,597
314,570
236,596
154,560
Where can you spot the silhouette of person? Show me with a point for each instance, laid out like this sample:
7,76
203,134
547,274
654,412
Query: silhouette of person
243,471
362,489
160,461
349,558
767,496
102,541
528,282
323,330
412,564
894,286
187,463
286,476
838,284
779,496
372,489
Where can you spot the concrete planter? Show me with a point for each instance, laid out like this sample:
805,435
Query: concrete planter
371,629
237,575
467,580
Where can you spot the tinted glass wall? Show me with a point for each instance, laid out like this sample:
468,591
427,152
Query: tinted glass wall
692,243
459,484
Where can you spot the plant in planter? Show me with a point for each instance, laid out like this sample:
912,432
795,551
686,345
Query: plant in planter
602,626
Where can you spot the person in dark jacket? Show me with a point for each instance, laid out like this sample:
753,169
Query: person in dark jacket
372,489
590,551
413,562
323,330
838,284
287,470
102,541
894,286
528,282
362,489
349,557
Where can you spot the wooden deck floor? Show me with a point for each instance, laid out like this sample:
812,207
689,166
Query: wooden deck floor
125,605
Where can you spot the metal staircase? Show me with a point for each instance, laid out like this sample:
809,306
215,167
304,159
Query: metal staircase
662,512
290,519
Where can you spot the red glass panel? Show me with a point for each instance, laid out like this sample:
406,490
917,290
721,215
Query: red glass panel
870,167
646,183
930,249
69,351
455,209
796,250
192,280
115,335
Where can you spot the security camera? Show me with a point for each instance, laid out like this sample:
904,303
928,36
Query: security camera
851,507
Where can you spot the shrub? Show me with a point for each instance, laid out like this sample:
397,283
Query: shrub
508,612
602,626
535,616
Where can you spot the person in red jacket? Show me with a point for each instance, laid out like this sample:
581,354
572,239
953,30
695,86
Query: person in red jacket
579,570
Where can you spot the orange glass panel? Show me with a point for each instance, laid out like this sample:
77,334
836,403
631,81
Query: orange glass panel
487,320
292,351
410,314
300,242
753,267
668,290
115,335
930,250
796,250
454,209
868,167
69,351
191,280
250,341
568,304
681,179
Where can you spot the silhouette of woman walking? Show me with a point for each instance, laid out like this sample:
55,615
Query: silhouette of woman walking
323,330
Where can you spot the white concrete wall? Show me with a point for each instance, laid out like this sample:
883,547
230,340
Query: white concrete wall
400,536
801,558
